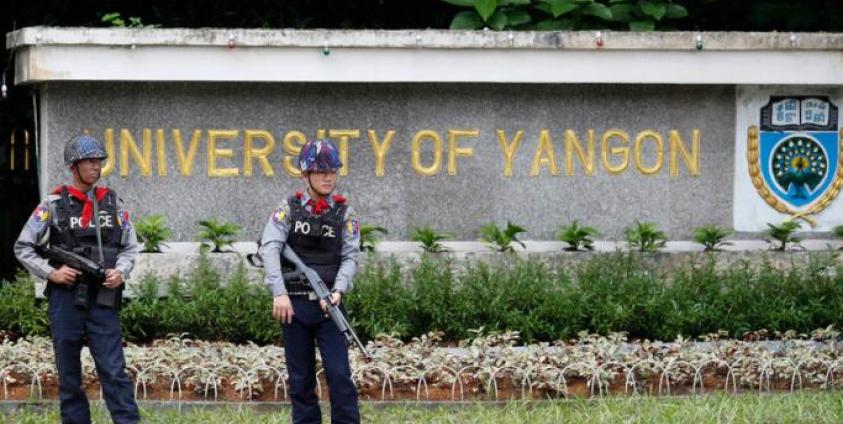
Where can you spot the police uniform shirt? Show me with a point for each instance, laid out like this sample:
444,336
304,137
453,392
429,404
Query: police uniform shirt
36,232
275,237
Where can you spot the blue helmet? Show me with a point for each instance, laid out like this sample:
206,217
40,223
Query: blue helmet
319,156
83,147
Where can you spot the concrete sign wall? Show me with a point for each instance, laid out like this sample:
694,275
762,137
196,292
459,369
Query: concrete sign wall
453,157
453,130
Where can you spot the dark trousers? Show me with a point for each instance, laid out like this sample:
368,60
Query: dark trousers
101,327
310,326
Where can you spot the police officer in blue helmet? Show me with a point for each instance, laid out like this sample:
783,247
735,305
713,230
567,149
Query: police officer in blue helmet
324,231
90,221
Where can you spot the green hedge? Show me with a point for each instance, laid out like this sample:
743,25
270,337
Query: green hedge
617,292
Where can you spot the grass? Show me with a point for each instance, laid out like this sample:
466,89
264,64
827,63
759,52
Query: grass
749,408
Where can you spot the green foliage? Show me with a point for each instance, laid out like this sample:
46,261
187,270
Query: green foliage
578,237
711,237
370,236
216,235
152,230
381,304
556,15
501,240
430,239
645,237
203,307
838,232
116,20
543,301
781,235
20,313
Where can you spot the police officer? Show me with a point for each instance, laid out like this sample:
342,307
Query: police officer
66,219
324,231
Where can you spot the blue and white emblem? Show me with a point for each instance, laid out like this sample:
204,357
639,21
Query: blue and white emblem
795,159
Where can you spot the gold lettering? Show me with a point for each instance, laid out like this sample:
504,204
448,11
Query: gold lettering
161,150
434,168
111,161
621,151
639,161
454,150
344,135
186,160
509,149
250,152
128,146
545,155
692,160
573,145
380,149
214,153
293,142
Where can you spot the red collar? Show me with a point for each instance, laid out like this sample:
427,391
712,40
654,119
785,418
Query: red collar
88,208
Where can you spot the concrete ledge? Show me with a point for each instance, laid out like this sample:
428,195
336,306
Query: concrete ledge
244,55
428,38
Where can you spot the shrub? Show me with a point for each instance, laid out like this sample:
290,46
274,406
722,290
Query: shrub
430,239
20,313
152,231
781,235
501,240
645,237
370,236
838,232
577,236
711,237
216,236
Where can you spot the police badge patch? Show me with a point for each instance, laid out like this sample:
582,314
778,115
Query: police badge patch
279,213
39,217
795,162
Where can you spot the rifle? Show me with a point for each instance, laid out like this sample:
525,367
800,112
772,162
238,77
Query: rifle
94,273
323,294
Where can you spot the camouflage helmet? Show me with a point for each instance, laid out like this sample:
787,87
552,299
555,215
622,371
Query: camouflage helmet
83,147
319,156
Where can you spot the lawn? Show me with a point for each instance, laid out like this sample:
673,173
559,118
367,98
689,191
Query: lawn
767,408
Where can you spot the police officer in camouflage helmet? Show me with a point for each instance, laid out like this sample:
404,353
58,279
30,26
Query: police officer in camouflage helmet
67,219
324,231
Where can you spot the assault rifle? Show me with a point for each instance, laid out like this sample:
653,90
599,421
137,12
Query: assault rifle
93,272
323,294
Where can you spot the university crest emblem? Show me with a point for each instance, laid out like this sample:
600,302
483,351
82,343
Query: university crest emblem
796,159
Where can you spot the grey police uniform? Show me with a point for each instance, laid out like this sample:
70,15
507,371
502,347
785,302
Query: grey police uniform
330,244
57,221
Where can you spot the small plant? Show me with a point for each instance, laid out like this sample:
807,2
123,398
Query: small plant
215,236
711,237
838,232
782,234
645,237
501,240
152,230
577,236
370,236
430,239
116,20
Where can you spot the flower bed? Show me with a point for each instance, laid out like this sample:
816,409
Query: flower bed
486,367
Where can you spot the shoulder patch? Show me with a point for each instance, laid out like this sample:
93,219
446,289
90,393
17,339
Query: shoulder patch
39,218
123,219
353,225
280,213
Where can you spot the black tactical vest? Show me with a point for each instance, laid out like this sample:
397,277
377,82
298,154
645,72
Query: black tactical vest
316,239
67,231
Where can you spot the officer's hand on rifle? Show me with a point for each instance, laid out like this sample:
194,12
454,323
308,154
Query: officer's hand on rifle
335,299
282,308
113,278
64,275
